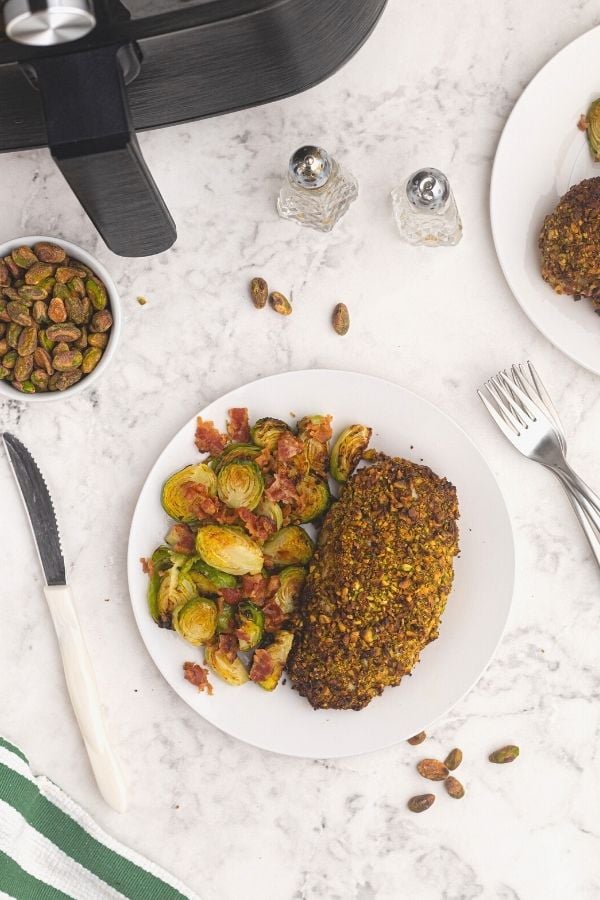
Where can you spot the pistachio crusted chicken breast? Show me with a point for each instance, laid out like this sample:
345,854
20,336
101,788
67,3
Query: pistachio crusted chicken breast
377,585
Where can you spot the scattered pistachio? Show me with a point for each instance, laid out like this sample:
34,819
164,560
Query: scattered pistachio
421,802
417,739
340,319
142,301
432,769
280,304
454,759
504,754
259,291
454,787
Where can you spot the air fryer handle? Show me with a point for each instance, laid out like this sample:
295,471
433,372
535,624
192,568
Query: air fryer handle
93,142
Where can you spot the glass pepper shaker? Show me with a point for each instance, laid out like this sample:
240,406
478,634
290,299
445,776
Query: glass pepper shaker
425,210
317,191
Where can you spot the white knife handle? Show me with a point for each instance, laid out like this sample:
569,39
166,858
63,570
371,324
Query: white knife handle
81,683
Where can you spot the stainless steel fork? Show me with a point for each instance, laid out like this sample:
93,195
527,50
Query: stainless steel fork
522,409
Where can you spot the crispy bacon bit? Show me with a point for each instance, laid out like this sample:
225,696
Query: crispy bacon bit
231,595
258,527
238,428
198,676
273,585
147,566
208,438
582,124
264,458
320,431
288,446
282,488
274,616
181,539
228,646
262,665
199,500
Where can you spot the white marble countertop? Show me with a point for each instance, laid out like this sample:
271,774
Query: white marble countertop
433,85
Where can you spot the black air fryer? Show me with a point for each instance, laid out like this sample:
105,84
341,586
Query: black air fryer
82,77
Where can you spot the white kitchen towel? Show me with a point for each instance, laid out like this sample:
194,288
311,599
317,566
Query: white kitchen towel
50,849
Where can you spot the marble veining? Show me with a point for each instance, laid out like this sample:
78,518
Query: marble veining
433,86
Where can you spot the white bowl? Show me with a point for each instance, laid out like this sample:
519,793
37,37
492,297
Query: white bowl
78,253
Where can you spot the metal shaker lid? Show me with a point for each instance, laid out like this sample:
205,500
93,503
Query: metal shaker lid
310,167
428,189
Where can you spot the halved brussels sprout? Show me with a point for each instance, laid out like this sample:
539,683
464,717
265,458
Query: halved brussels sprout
251,625
162,559
291,582
180,538
279,651
229,550
232,672
218,579
316,451
173,498
196,620
271,511
266,432
235,451
225,621
348,450
289,546
593,129
173,590
314,498
240,483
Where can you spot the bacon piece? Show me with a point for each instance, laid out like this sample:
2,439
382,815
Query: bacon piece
228,646
200,502
231,595
282,488
320,431
259,527
582,124
198,676
208,438
262,665
288,446
274,616
264,458
181,539
238,428
147,566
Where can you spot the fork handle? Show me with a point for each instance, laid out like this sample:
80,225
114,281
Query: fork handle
586,505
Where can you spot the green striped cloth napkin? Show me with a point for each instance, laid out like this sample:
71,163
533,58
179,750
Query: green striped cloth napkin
50,849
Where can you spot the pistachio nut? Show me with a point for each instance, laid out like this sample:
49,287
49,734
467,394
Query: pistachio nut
23,367
38,272
280,304
78,309
46,342
9,359
259,291
454,787
4,276
56,310
47,284
3,346
40,379
26,387
77,286
98,340
65,273
91,358
12,334
11,266
4,373
19,313
61,347
2,329
340,318
24,257
27,341
504,754
432,769
421,802
101,321
63,332
96,292
10,293
43,360
82,341
63,362
31,292
49,253
454,759
4,316
40,312
60,381
417,739
61,290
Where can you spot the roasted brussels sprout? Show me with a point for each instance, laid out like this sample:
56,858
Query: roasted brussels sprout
593,129
316,451
251,625
173,497
348,450
196,620
233,672
314,498
233,452
226,618
162,559
266,432
288,547
279,651
291,582
229,550
180,538
271,511
240,483
173,590
214,576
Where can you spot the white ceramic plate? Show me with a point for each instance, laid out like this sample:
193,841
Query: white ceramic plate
404,425
540,155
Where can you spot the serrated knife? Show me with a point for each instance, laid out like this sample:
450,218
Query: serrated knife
79,673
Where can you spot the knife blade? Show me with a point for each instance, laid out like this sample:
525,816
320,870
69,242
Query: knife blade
79,672
40,509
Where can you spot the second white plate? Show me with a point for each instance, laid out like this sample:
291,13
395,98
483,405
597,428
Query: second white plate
403,425
540,155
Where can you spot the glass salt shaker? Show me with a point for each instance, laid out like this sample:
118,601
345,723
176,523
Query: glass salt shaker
425,210
317,191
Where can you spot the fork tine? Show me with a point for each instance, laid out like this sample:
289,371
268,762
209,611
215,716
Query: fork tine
500,420
545,397
504,405
530,406
505,401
